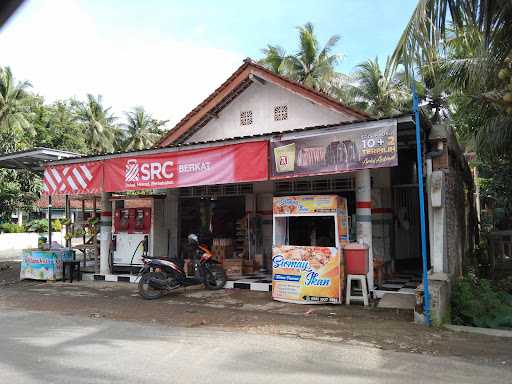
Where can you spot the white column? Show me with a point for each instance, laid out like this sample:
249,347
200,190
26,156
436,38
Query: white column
172,221
364,216
437,227
105,232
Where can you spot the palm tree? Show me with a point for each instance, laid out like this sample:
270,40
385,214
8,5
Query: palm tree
464,47
380,93
273,59
14,111
312,65
98,124
142,130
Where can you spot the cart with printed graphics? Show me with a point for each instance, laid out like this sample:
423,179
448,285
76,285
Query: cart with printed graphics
307,259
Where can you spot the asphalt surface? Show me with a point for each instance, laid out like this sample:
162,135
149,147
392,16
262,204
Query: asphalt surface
41,347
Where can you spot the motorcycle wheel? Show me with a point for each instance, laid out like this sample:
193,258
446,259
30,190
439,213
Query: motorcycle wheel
146,290
215,278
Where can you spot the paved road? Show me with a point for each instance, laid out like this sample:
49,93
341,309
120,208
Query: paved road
39,347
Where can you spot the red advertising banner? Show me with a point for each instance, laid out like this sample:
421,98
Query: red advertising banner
73,179
233,163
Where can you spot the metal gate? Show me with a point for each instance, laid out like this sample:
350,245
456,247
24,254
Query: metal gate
407,225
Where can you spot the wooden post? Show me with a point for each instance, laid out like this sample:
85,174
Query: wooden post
50,221
83,236
67,210
94,239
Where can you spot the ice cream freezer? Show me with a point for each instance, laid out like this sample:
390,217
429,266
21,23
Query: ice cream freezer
307,259
44,264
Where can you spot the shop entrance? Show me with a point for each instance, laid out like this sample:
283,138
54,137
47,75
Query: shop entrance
221,223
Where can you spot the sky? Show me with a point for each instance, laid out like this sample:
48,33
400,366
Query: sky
168,55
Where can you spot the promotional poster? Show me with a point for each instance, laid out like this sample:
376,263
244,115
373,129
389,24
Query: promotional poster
334,151
306,274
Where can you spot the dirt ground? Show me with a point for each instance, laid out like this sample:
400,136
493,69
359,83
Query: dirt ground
251,312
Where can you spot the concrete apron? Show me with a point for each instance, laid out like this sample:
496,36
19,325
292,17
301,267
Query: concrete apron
255,282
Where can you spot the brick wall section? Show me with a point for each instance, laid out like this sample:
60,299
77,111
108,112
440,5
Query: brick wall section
455,221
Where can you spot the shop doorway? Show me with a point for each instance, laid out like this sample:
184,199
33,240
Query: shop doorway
216,221
407,255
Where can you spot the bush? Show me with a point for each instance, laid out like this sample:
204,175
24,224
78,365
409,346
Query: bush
477,303
41,226
56,225
11,228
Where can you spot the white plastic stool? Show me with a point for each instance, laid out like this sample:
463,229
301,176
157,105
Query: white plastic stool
364,289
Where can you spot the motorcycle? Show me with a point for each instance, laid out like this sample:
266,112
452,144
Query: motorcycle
160,275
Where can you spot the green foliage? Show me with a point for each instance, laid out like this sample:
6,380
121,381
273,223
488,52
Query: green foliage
462,51
477,303
379,92
56,225
41,226
97,123
18,191
57,126
142,129
312,65
495,188
12,228
84,127
15,128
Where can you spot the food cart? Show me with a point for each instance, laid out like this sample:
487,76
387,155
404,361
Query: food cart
307,260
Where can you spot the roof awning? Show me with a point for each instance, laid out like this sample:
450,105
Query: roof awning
232,163
33,159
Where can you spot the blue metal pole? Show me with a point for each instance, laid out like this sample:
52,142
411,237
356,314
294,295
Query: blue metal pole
426,293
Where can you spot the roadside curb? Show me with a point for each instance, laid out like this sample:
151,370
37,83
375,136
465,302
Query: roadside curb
480,331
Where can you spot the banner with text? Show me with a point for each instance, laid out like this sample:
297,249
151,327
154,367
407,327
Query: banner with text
372,145
235,163
73,179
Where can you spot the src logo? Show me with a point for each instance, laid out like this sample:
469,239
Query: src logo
148,171
132,170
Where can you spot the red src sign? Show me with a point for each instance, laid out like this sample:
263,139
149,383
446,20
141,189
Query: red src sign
233,163
215,165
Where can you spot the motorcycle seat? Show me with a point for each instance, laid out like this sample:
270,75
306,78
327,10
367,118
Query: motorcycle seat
157,257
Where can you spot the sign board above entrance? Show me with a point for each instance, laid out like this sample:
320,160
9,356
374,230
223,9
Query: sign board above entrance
367,145
234,163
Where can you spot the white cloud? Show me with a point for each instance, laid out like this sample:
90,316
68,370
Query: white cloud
64,53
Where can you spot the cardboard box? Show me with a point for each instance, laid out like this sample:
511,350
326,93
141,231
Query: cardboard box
233,267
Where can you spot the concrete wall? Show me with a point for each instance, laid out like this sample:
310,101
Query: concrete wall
164,239
261,100
448,226
12,244
159,243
